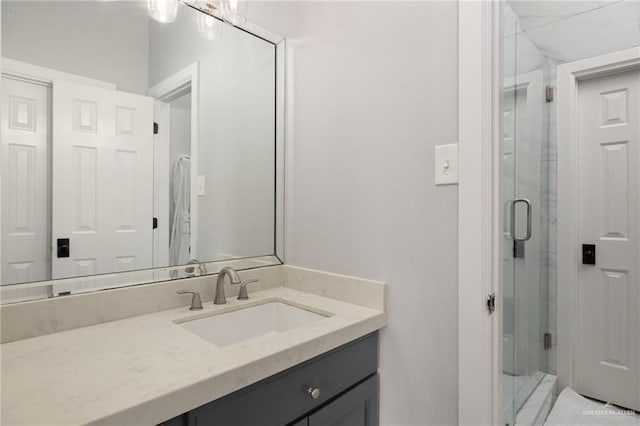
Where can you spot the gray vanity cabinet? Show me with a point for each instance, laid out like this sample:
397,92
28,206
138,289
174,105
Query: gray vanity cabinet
337,388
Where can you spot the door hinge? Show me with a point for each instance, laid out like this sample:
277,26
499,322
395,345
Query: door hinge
155,128
518,249
155,223
548,341
548,93
491,303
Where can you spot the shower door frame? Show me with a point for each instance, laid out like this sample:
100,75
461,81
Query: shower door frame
479,212
569,75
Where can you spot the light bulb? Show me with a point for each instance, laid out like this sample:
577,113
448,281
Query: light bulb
165,11
232,11
209,27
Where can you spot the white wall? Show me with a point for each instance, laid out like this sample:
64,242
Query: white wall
80,37
180,127
237,128
373,88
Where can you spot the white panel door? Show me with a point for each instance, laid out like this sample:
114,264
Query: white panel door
26,233
607,363
102,180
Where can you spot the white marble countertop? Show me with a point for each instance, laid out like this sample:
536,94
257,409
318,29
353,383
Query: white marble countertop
147,369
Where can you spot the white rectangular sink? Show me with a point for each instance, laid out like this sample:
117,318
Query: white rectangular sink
255,321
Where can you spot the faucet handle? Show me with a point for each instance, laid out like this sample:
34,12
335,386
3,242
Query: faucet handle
190,269
196,302
243,295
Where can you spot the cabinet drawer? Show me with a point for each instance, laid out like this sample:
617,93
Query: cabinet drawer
284,397
357,407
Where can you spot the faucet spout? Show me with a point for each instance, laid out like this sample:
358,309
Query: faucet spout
220,298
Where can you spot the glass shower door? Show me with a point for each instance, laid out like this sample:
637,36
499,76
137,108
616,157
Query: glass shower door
523,298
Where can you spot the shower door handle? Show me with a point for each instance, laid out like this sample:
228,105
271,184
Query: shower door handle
514,203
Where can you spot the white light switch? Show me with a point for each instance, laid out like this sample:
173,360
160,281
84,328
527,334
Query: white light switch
200,186
446,166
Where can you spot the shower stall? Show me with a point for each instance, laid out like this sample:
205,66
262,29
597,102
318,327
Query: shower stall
537,36
527,332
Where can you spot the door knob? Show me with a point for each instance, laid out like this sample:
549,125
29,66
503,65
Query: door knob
314,392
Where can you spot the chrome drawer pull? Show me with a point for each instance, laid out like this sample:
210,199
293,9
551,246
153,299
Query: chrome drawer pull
314,393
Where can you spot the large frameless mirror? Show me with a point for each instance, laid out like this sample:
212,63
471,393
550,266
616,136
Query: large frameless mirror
140,141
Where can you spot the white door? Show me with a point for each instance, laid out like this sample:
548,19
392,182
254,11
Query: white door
607,360
102,180
26,230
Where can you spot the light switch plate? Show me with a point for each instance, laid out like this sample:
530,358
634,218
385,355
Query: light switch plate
200,186
446,164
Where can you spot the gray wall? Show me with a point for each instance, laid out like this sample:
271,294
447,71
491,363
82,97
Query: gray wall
373,88
101,40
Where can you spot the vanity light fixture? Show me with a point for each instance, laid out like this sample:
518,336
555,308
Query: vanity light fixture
209,27
164,11
209,23
232,11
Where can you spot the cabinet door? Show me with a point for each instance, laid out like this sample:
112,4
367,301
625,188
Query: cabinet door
357,407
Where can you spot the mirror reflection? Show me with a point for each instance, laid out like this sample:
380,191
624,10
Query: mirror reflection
133,136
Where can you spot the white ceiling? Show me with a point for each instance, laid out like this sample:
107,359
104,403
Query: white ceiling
570,30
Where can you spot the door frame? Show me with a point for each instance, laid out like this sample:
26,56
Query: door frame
165,91
569,75
479,212
49,76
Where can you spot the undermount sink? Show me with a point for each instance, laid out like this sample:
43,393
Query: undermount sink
236,326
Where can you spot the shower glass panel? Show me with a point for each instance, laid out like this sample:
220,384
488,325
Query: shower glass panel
507,190
525,134
538,36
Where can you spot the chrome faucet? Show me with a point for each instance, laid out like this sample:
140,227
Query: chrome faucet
220,298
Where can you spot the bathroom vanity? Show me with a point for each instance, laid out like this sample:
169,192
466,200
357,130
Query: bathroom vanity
303,350
339,387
